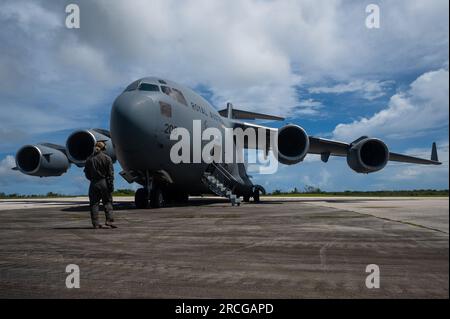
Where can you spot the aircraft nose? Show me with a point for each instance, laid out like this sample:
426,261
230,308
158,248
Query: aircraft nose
132,122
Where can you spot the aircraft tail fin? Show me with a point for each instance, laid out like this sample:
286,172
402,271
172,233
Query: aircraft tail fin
434,154
231,113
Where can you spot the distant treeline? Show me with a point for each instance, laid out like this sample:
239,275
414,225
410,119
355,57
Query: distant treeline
124,192
307,191
312,191
48,195
119,192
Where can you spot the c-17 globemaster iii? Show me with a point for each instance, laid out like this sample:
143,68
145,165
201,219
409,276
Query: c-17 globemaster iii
142,122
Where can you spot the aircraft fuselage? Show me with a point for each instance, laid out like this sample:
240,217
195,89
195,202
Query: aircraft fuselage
141,123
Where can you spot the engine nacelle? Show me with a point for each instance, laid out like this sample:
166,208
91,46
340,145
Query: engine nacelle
80,145
293,144
42,160
367,155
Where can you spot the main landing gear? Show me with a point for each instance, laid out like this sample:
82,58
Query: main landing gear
156,195
255,194
141,198
257,191
155,198
151,194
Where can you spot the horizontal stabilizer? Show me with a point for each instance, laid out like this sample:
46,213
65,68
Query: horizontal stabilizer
231,113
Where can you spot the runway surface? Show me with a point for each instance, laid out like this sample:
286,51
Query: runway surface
280,248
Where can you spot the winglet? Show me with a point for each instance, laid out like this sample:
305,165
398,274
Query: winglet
434,154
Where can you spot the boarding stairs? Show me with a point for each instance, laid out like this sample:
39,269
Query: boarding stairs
221,182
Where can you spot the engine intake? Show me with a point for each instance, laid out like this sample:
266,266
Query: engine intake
80,145
367,155
42,160
293,144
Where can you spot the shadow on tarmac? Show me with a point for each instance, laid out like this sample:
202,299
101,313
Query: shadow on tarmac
118,205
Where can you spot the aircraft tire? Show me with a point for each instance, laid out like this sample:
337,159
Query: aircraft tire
182,198
157,199
256,196
141,198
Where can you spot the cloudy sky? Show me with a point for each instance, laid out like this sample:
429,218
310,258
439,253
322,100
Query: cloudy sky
313,61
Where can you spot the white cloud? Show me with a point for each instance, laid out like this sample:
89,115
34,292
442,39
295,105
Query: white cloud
423,107
30,15
424,173
369,90
308,107
34,120
252,53
7,175
84,59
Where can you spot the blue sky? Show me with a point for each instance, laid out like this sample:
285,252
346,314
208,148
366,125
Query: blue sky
314,62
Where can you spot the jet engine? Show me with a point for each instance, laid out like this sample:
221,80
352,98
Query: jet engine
80,145
293,144
367,155
42,160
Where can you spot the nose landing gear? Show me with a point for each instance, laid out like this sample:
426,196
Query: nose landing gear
141,198
156,193
155,198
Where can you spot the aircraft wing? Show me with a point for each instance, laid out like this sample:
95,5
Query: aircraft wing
246,115
411,159
326,147
231,113
265,131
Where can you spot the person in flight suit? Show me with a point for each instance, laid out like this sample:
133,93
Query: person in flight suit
100,172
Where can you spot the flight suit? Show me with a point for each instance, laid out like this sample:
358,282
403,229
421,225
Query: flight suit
100,172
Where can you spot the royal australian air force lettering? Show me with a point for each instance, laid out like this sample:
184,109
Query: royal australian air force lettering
208,119
206,113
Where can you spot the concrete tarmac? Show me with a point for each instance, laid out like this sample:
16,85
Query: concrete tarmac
280,248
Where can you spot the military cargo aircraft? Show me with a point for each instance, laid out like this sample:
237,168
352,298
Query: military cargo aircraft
142,119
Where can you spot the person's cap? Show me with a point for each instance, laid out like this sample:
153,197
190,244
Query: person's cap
101,145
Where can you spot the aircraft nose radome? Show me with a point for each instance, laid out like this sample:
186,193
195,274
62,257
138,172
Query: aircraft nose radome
128,106
131,123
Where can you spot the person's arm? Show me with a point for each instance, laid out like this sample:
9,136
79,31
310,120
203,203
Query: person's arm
110,176
111,169
87,171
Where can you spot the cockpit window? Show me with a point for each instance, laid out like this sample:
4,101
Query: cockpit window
179,96
166,90
148,87
133,86
175,94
